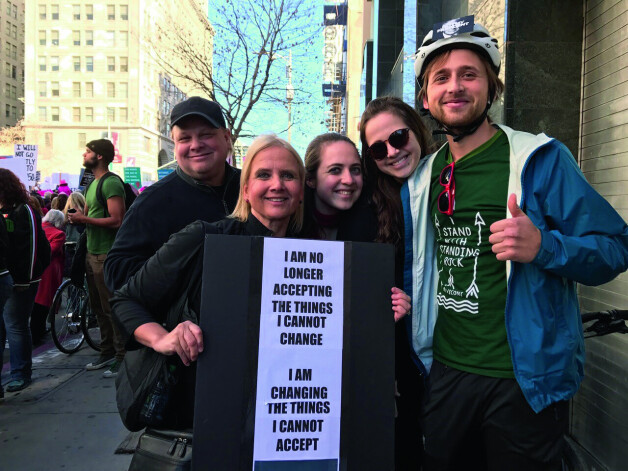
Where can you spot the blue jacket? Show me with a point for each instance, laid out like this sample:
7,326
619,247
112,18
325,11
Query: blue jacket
583,240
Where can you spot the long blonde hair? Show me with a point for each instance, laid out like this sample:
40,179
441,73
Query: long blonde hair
76,201
242,210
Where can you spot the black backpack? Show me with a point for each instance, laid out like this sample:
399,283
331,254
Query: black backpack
129,194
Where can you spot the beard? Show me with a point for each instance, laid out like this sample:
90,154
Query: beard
90,164
458,121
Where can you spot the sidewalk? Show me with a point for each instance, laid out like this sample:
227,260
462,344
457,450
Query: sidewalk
66,420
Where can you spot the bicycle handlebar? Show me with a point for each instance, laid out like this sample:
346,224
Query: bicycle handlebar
606,322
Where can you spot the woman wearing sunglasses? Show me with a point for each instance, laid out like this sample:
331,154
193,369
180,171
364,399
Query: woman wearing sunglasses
335,206
394,139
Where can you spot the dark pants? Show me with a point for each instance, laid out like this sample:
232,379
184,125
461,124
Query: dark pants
478,422
110,338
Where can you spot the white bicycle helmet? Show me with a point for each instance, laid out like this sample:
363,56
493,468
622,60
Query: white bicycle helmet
478,40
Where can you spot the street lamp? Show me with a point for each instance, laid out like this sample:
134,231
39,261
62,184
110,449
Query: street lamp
289,87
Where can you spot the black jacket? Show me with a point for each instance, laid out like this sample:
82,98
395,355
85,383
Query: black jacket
29,250
161,210
172,280
174,271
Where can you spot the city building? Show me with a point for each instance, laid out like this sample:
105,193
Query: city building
564,66
96,69
12,60
334,65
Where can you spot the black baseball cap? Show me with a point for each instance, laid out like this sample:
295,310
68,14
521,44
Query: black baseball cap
207,109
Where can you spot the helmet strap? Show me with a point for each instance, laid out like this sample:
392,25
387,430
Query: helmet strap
462,131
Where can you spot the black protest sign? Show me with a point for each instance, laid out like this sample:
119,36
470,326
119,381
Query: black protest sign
298,367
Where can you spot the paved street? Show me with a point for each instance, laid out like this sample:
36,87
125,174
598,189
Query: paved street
66,420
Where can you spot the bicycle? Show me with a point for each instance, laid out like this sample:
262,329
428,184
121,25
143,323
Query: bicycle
601,323
71,319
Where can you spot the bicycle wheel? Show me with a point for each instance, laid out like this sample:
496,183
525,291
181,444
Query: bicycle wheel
65,317
89,326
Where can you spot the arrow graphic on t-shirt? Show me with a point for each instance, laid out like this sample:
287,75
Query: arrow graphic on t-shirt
479,222
473,289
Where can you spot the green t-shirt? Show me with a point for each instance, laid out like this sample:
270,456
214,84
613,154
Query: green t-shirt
100,239
470,332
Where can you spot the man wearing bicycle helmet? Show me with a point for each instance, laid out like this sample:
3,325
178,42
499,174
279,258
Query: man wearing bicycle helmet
503,226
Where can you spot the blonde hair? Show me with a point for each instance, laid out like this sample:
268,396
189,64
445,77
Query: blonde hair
76,201
242,210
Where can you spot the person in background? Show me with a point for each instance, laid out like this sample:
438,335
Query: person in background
76,202
52,276
102,225
59,202
6,282
27,257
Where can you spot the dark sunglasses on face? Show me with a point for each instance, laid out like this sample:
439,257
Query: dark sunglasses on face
397,139
447,196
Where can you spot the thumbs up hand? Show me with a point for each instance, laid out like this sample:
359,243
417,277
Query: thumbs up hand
516,238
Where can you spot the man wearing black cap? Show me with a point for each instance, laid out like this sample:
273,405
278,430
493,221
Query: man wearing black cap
102,225
203,187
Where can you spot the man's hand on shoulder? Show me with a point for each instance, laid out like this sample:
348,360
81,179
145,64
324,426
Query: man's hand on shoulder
516,238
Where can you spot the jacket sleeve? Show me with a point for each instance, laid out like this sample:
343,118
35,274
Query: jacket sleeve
23,238
582,237
158,284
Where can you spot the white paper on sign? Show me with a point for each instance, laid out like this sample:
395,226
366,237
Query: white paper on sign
299,376
18,167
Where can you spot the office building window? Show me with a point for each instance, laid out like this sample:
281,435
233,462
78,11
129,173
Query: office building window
82,140
14,72
111,64
89,114
76,12
124,64
7,48
54,12
111,114
42,86
14,11
42,37
48,139
42,113
76,89
123,90
124,115
76,38
111,90
14,51
7,111
89,89
111,12
54,88
123,38
110,38
7,90
14,92
7,70
76,114
89,38
124,12
42,63
89,64
54,113
54,63
42,12
13,31
146,144
89,12
76,62
54,37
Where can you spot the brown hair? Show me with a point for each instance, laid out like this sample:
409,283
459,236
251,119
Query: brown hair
384,188
495,85
242,210
12,190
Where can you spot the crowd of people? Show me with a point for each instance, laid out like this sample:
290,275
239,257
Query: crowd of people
492,231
